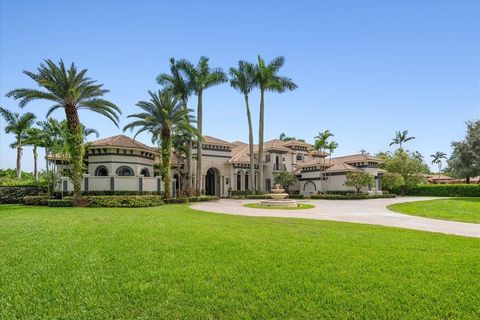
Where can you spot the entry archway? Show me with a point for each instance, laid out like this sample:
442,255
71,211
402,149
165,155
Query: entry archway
212,182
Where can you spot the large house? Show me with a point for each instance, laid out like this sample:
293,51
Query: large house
121,163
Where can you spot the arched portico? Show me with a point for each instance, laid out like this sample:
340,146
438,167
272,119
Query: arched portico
212,182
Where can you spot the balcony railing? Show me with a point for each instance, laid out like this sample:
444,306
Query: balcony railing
279,167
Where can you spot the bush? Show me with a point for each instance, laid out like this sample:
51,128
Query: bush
444,190
36,200
16,194
59,194
341,192
190,199
60,203
251,196
240,193
125,201
295,196
355,196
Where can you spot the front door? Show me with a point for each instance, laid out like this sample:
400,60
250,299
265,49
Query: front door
210,182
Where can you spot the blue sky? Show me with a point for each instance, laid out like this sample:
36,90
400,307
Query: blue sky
364,68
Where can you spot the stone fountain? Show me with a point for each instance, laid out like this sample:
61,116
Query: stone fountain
278,196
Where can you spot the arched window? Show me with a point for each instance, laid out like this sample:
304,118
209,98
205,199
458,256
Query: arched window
299,157
124,171
101,171
239,180
145,172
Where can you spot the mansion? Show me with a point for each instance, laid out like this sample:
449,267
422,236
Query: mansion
120,163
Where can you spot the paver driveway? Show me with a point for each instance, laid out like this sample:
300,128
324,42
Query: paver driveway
372,211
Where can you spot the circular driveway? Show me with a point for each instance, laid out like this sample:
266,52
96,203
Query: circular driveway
372,211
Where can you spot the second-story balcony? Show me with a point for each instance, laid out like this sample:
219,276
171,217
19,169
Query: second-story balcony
279,167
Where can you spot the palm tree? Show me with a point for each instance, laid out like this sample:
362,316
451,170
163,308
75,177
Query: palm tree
71,90
162,116
267,79
200,78
437,159
17,124
321,143
400,138
243,80
180,87
34,137
331,146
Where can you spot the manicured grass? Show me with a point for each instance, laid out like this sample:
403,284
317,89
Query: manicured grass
300,206
457,209
171,262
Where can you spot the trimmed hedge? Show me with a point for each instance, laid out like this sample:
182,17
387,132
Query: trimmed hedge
190,199
444,190
60,203
355,196
59,194
124,201
15,194
36,200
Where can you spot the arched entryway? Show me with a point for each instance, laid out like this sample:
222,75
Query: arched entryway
309,187
212,182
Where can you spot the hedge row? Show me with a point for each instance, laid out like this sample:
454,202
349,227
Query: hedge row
113,201
60,195
444,190
15,194
353,196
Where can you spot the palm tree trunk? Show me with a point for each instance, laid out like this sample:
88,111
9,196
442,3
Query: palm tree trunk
261,187
19,157
35,162
198,177
189,158
167,163
76,150
251,181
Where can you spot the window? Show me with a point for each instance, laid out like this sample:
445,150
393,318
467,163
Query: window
145,172
124,171
239,180
246,180
299,157
268,185
101,171
267,158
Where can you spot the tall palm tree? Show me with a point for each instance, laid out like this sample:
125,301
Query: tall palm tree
243,80
400,138
162,116
322,143
182,88
71,90
200,78
267,79
17,125
34,137
437,159
331,147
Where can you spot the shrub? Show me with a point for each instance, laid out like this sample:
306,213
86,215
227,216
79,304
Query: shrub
202,198
295,196
341,192
36,200
175,200
240,192
125,201
60,203
251,196
59,194
16,194
445,190
355,196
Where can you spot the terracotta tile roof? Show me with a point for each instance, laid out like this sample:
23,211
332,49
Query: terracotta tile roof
123,142
357,158
342,167
216,141
297,143
275,144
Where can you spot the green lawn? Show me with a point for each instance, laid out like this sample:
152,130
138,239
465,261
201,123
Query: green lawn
172,262
457,209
